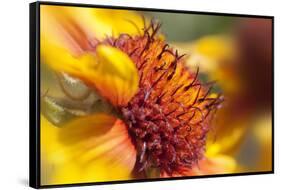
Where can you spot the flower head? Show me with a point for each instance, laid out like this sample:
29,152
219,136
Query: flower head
163,112
169,116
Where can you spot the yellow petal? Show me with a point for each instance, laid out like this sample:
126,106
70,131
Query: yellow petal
215,47
77,28
220,164
66,47
110,71
225,142
111,22
263,132
88,149
58,26
60,59
48,144
116,75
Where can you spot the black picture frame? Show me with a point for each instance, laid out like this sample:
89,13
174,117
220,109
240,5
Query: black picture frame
34,93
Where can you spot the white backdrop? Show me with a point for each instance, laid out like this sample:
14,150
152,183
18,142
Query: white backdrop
14,93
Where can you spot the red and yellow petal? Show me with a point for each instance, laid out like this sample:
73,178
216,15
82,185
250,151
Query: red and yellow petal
85,150
77,28
66,45
109,70
220,164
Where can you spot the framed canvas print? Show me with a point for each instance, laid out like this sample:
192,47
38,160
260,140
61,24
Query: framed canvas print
120,94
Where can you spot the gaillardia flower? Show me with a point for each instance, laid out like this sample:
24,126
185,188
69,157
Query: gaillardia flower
162,111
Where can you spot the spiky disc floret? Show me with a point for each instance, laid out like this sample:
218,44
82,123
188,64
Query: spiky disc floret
169,117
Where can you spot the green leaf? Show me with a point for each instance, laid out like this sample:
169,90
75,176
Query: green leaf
54,112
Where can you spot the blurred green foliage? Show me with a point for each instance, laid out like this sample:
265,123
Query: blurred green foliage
186,26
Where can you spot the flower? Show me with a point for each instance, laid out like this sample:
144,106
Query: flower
162,111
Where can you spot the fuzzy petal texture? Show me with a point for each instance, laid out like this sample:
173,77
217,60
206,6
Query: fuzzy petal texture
88,149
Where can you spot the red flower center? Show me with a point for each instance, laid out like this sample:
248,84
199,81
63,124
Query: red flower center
169,117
